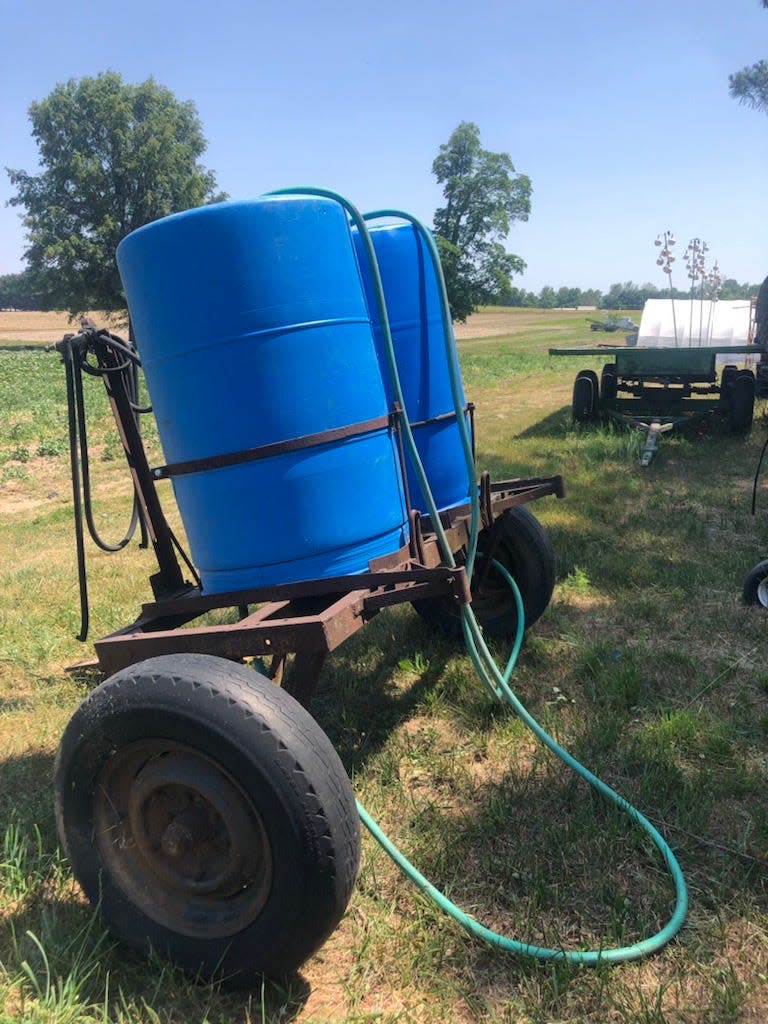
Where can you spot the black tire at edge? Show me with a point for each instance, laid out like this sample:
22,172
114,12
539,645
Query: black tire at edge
608,382
583,402
752,582
742,404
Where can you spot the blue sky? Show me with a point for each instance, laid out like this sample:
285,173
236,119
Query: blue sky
618,110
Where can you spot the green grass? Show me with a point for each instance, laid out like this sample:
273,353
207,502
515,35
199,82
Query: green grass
646,666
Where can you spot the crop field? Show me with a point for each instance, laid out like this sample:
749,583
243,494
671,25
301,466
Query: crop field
646,666
33,330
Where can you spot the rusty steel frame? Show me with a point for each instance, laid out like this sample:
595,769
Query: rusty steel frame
305,619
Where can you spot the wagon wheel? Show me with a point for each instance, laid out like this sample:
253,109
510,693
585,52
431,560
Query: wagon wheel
729,373
608,386
584,405
518,541
742,407
208,815
756,585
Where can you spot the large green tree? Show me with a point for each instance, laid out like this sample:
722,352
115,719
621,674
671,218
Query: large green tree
750,85
114,156
483,196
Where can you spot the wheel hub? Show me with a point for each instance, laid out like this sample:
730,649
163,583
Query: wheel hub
182,839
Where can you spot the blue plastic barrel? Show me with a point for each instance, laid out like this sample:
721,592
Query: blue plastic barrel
252,327
412,297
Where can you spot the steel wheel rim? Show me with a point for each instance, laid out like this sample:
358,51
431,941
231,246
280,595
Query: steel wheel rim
181,839
762,592
492,599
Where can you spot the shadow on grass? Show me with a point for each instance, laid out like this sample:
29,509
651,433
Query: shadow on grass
358,702
63,939
44,936
26,794
553,425
556,424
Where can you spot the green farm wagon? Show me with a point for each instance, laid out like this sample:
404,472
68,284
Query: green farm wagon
656,389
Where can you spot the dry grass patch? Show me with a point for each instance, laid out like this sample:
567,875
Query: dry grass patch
41,328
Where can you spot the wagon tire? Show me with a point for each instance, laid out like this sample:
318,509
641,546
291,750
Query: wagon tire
584,404
524,549
742,406
729,372
608,386
756,585
208,816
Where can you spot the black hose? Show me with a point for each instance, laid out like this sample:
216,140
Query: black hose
757,476
67,353
86,479
74,351
121,367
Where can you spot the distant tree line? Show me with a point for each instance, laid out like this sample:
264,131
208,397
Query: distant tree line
619,296
23,291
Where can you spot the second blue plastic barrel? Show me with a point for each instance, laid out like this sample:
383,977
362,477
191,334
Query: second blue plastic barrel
251,323
413,300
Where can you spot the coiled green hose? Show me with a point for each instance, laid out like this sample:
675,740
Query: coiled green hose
494,679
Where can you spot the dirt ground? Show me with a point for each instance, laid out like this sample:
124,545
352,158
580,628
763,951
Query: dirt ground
491,322
42,328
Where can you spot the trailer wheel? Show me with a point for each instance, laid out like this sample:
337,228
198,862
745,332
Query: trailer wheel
585,397
730,372
756,585
608,383
524,549
208,815
742,389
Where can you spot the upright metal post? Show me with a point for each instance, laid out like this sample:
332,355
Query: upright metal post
169,580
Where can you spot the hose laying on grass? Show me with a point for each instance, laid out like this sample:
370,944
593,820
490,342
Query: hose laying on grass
494,679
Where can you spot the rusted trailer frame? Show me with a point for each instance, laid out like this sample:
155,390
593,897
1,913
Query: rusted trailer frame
306,619
310,619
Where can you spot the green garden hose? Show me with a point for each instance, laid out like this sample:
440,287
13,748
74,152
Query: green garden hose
494,679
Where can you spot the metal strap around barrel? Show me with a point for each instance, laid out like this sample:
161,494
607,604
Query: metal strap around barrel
268,451
469,407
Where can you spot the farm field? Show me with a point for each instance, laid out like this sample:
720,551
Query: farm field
44,328
646,666
38,328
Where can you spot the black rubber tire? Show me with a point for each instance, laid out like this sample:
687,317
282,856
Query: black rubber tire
742,406
524,549
756,585
269,858
729,372
595,391
727,377
584,402
608,382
